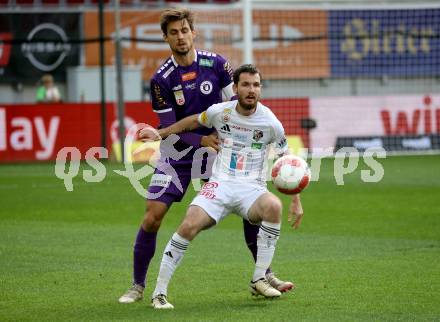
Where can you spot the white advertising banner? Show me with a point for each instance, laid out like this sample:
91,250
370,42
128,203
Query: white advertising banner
383,116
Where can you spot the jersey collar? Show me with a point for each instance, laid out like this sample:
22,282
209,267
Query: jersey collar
176,64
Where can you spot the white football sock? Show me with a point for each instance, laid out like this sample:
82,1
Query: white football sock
171,258
266,241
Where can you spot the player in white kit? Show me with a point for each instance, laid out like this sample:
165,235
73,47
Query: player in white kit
246,129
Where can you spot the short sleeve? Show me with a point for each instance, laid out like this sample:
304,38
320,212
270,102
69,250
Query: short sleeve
280,140
160,98
207,117
224,71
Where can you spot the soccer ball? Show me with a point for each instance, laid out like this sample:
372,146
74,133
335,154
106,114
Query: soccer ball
291,174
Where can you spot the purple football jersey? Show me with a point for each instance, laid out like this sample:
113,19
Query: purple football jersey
179,91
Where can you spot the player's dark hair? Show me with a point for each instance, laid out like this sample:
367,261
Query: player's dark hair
246,68
175,14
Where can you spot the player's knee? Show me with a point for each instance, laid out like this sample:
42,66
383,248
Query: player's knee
188,230
273,210
152,220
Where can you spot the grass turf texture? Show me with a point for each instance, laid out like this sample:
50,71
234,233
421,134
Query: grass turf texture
364,252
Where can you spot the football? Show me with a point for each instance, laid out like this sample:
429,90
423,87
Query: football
290,174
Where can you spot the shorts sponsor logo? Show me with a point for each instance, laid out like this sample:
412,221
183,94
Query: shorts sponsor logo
208,190
189,76
206,87
160,180
210,185
208,194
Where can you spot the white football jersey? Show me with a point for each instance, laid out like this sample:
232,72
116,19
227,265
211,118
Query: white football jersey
245,141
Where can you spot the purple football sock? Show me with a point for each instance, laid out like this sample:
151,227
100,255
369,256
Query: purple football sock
250,235
143,252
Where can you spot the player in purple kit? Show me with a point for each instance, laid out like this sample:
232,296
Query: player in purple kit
187,83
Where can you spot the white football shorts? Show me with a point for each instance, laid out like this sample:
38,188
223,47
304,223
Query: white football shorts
219,198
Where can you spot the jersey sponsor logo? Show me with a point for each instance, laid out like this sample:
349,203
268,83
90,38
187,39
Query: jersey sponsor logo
282,143
160,180
203,118
240,137
258,134
158,96
180,98
227,142
240,128
191,86
225,129
227,115
227,67
189,76
206,87
238,145
256,145
168,72
206,62
237,161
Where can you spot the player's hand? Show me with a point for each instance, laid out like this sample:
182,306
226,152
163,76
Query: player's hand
211,141
296,212
148,134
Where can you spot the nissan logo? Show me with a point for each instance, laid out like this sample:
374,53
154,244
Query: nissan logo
48,54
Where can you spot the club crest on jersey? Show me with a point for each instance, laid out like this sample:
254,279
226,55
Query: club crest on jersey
180,98
227,115
206,87
258,134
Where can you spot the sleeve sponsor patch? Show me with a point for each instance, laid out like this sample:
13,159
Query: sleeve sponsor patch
203,118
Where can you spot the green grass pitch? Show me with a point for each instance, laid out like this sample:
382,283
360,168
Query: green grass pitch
364,252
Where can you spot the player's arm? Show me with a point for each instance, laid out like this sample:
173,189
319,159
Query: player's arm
187,124
161,101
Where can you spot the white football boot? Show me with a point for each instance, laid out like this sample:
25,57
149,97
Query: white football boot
282,286
160,302
262,287
133,294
